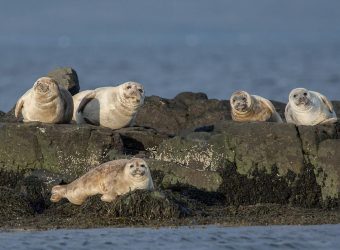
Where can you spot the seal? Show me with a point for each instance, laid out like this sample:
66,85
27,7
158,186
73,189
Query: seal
110,179
46,102
246,107
309,108
111,107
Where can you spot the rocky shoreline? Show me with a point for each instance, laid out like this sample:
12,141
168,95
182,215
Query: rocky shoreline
206,168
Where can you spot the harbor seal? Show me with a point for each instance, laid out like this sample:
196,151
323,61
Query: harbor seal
246,107
110,179
46,102
309,108
111,107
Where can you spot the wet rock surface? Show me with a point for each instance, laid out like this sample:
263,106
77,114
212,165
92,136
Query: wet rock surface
206,169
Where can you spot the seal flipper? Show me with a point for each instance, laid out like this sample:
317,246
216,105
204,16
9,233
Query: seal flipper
325,101
86,99
18,107
288,114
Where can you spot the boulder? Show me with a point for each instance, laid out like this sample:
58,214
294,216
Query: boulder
66,77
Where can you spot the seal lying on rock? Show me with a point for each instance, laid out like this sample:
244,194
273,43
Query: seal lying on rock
46,102
110,179
309,108
246,107
112,107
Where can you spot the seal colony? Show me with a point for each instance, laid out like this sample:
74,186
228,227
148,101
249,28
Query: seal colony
110,179
116,107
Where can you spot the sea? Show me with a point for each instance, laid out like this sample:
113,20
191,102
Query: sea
197,238
265,47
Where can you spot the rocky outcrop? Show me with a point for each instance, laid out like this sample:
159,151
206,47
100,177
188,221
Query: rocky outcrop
203,165
188,111
66,77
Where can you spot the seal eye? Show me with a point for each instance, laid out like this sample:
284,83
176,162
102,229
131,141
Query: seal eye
294,96
131,166
244,99
234,101
305,94
140,90
128,87
142,166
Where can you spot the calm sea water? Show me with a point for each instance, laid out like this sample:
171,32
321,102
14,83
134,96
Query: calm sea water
270,237
266,47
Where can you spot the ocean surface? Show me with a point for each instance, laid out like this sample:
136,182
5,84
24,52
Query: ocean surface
196,238
266,47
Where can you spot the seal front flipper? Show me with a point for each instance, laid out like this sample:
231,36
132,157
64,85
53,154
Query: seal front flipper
18,107
109,197
325,101
86,99
288,114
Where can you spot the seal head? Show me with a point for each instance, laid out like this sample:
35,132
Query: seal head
132,93
301,99
241,102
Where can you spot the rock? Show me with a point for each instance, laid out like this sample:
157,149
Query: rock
69,150
13,206
140,204
167,175
66,77
137,139
262,162
328,170
2,113
186,111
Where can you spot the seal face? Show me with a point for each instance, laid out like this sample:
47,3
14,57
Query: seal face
111,107
45,102
309,108
110,179
246,107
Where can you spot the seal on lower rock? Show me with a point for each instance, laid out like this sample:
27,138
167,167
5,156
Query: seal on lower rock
110,179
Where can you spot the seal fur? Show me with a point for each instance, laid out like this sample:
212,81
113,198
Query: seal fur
112,107
309,108
246,107
46,102
110,179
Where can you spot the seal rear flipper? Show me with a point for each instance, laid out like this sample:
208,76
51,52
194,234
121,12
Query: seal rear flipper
18,107
330,121
84,101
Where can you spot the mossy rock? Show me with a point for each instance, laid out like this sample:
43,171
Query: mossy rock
13,206
141,204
